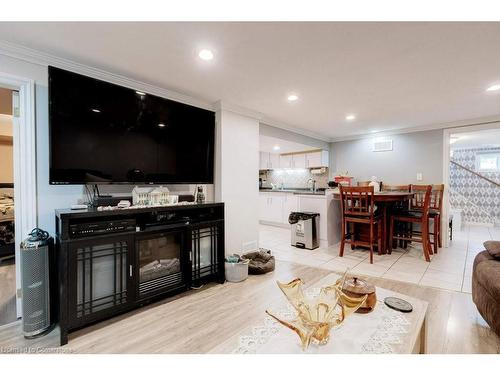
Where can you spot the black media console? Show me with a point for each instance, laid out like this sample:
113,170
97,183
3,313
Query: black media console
113,261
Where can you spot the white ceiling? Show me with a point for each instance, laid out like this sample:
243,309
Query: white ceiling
391,75
267,145
483,138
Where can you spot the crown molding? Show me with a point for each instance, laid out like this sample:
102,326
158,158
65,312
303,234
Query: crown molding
44,59
231,107
415,129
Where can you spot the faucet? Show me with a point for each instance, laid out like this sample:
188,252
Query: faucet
313,188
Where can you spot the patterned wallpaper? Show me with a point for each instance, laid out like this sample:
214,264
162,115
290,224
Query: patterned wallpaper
294,178
478,198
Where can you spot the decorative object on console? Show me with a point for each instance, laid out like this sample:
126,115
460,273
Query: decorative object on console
356,287
140,196
317,316
159,196
200,195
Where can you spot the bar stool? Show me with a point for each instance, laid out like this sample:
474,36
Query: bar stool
357,207
435,213
399,207
421,199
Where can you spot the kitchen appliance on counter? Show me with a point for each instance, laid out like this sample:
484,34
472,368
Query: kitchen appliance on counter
305,229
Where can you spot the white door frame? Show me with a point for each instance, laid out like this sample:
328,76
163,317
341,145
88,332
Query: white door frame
25,197
446,167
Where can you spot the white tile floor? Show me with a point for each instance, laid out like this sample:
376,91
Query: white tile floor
450,269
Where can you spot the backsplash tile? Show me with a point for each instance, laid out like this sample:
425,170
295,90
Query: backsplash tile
293,178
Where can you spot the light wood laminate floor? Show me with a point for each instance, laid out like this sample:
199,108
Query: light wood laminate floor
197,321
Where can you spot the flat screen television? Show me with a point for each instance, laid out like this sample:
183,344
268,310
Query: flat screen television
102,133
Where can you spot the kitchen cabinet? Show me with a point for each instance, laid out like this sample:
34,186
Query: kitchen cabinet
286,161
317,159
269,161
271,207
299,161
264,160
274,161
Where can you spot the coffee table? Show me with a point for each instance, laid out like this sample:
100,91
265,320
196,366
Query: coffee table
383,330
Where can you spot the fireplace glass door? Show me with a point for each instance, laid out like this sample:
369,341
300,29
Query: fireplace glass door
160,262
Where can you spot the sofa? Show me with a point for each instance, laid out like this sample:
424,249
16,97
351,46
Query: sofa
486,284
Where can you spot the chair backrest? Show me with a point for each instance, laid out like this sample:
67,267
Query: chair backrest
421,199
357,201
437,197
398,188
364,183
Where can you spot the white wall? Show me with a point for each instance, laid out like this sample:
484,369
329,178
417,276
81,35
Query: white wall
419,152
236,184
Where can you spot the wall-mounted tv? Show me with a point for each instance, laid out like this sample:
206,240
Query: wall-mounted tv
102,133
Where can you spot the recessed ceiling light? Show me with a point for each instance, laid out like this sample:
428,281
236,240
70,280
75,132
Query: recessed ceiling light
96,110
161,125
206,54
292,97
276,147
350,117
140,93
493,88
373,131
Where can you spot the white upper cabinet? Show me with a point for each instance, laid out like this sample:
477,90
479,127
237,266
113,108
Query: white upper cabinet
269,161
286,161
299,161
317,159
274,161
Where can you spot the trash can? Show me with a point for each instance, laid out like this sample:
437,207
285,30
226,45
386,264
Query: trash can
305,229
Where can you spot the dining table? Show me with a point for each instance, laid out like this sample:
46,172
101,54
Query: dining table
384,200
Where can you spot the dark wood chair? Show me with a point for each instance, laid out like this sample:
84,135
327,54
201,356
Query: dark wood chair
435,212
399,207
363,183
421,199
402,188
358,208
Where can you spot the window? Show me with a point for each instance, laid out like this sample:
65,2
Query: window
488,161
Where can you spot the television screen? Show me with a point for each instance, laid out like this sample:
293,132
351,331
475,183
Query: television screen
104,133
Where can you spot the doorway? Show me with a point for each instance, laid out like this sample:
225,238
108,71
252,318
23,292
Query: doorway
8,259
22,143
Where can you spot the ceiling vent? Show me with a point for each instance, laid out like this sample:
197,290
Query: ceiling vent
382,145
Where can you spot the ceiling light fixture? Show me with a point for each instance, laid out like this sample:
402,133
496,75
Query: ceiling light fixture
276,148
206,54
493,88
96,110
350,117
292,97
140,93
161,125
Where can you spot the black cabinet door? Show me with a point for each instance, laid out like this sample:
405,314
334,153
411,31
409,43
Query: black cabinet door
100,277
207,251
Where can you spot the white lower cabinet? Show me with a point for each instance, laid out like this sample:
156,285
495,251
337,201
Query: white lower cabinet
271,207
276,207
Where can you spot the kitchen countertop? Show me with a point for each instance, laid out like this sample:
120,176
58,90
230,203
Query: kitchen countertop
294,191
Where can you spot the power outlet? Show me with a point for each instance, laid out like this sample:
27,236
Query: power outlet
419,176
